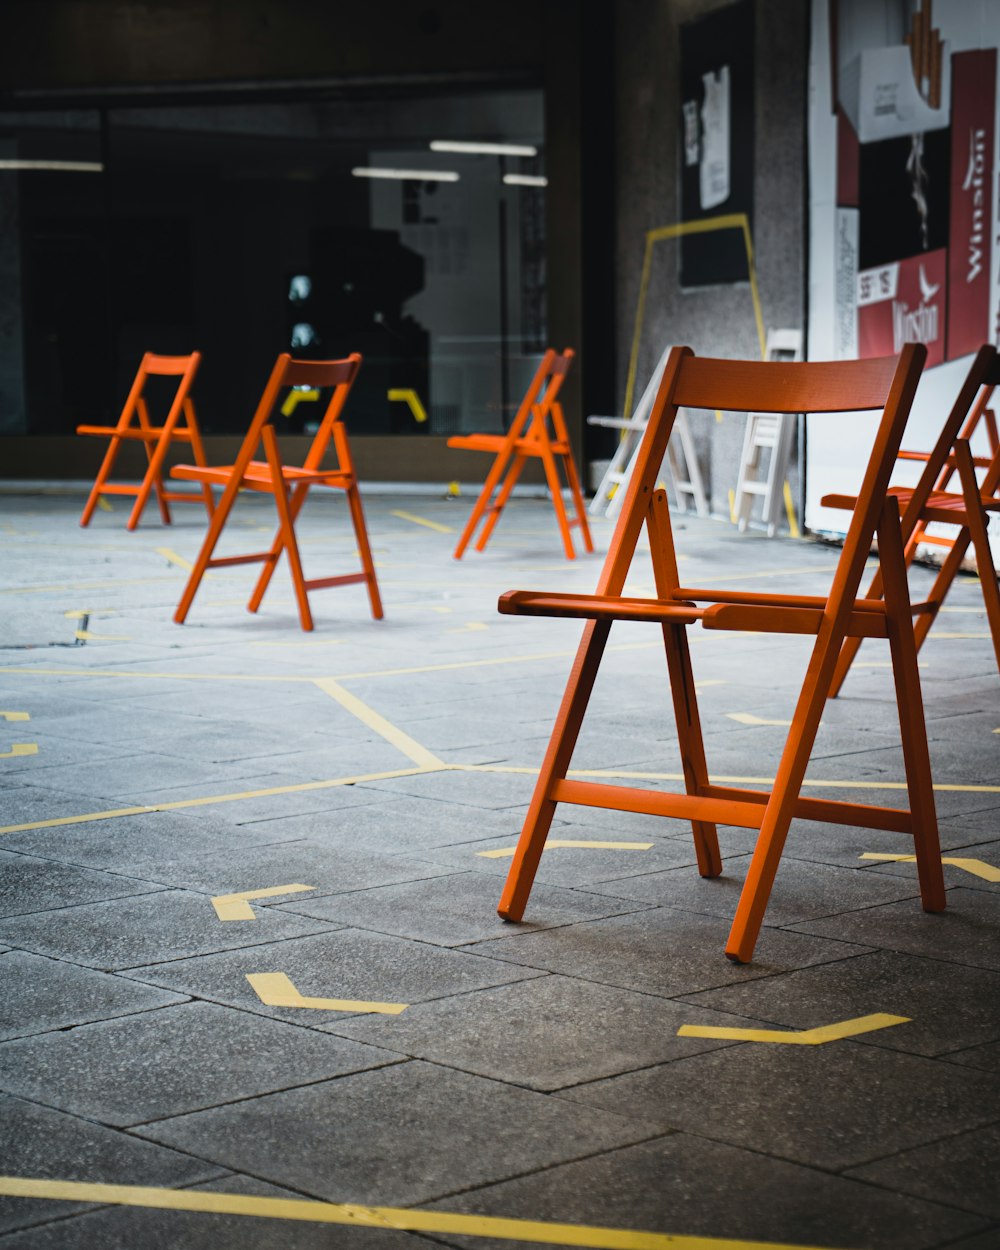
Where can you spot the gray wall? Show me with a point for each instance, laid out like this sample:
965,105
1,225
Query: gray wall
716,321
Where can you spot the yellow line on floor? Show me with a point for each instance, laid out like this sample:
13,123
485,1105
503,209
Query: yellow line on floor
274,989
170,555
486,663
179,804
419,520
155,676
505,852
402,1219
802,1037
62,586
410,747
237,906
977,867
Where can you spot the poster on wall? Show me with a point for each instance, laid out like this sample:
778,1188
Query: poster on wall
903,134
717,140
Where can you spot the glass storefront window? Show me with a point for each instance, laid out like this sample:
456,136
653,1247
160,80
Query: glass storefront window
246,229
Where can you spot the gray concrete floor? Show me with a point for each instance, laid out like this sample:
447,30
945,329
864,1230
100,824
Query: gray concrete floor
363,773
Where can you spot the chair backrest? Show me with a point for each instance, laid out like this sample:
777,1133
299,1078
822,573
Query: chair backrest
334,375
690,381
183,368
966,412
541,395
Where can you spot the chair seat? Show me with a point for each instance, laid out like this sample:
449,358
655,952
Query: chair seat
258,473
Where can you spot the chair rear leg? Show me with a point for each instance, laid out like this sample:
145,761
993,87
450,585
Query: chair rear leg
364,549
286,527
980,540
199,453
581,511
909,704
555,487
554,767
479,507
493,513
103,473
215,526
152,479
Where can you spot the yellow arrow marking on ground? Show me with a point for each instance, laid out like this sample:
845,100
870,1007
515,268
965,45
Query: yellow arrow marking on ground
20,748
172,557
748,718
554,843
237,907
83,634
805,1037
15,715
978,867
403,1219
412,400
419,520
275,990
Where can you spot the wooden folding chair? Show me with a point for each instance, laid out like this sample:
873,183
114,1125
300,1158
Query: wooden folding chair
156,439
930,502
289,486
523,441
749,387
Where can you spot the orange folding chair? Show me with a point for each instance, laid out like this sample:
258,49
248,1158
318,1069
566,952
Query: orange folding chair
289,485
931,501
522,441
746,386
156,439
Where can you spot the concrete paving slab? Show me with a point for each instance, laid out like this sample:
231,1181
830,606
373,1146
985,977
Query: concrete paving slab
801,891
678,1185
453,910
547,1034
960,1170
173,1060
30,884
833,1106
429,1131
664,951
132,932
38,995
985,1057
48,1144
347,964
954,1013
965,933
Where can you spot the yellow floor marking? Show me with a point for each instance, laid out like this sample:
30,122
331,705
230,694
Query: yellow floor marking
505,852
274,989
419,520
965,611
402,1219
303,642
237,906
939,634
85,635
178,804
112,672
481,663
884,664
793,525
732,507
410,747
18,749
748,718
977,867
470,627
805,1037
15,715
103,504
173,558
74,586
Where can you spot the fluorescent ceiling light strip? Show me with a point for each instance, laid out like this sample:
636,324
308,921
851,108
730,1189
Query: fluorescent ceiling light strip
484,149
420,175
72,167
525,180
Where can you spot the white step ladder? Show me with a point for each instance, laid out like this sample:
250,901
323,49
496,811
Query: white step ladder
767,432
680,460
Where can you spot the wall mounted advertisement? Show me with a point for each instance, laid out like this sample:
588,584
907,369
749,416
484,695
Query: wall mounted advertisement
903,132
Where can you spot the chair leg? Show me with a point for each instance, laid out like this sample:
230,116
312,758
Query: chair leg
555,486
286,526
980,540
273,556
199,454
152,479
103,473
364,549
492,478
498,505
942,584
215,526
910,707
554,767
573,479
781,804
